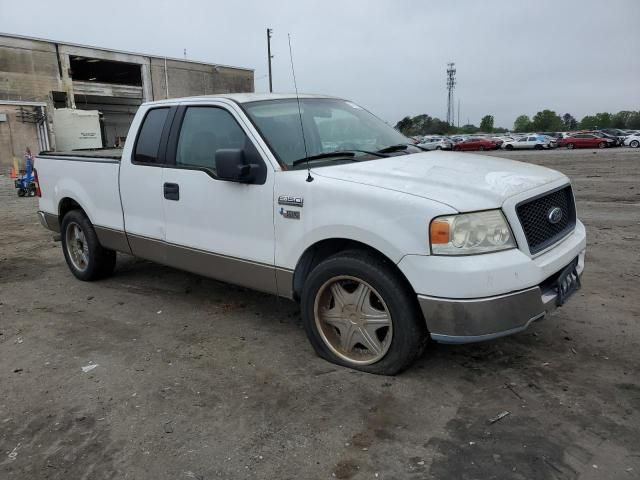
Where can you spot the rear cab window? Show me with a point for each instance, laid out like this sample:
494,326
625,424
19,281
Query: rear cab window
147,148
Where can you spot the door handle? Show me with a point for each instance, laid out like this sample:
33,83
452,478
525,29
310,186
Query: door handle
172,191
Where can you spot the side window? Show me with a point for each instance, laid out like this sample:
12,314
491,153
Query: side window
204,131
523,139
148,143
532,139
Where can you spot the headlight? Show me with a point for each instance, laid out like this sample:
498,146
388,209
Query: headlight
471,233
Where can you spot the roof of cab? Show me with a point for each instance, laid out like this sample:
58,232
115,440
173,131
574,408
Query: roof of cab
240,97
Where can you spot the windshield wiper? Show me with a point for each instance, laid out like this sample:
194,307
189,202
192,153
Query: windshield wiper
394,148
342,154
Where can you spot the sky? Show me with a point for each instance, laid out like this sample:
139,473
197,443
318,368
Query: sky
512,57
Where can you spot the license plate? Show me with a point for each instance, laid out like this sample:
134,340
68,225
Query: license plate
567,283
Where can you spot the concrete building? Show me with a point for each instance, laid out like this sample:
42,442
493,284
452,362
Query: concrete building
38,76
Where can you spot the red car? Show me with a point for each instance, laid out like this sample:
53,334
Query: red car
475,144
584,140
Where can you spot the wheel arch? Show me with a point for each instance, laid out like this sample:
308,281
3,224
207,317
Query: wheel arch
323,249
67,204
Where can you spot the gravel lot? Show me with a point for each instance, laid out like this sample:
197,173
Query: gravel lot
197,379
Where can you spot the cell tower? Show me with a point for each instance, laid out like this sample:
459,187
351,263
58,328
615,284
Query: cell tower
451,84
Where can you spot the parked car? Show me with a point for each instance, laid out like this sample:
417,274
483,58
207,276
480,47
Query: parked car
380,252
632,141
435,143
585,140
615,141
537,142
474,144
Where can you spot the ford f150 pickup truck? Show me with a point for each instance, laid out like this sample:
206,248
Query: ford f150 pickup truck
313,198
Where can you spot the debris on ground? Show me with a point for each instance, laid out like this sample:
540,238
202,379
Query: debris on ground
168,427
89,367
499,416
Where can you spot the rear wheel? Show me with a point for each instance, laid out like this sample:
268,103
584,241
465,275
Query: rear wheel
438,147
634,143
359,313
481,148
538,147
86,258
509,147
570,146
22,192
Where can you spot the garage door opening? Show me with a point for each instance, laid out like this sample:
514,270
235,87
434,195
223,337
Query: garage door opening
87,69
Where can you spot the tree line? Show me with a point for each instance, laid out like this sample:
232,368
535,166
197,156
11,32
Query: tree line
549,121
543,121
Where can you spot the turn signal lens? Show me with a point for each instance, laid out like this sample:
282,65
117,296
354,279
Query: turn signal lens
439,232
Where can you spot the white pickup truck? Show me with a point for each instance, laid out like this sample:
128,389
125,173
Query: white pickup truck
315,199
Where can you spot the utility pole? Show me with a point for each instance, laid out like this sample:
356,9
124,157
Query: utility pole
269,32
458,112
451,83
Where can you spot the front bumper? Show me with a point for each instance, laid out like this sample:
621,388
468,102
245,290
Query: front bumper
478,319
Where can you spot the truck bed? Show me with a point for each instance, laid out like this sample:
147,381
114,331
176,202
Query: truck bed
89,177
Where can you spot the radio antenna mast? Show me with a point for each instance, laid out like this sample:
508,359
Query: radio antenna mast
295,85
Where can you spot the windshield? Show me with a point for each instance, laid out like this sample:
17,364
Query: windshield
330,125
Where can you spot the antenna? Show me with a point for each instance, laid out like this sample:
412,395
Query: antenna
295,85
451,84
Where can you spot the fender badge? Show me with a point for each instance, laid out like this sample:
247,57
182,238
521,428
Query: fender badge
291,214
291,201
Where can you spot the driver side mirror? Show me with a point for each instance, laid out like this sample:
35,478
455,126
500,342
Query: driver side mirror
231,166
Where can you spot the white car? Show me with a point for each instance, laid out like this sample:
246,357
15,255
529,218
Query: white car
537,142
382,244
632,141
435,143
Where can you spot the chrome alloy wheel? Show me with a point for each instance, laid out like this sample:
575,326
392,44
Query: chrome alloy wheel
353,320
77,246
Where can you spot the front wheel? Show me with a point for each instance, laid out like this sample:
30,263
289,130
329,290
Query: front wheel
359,313
481,148
602,145
86,258
509,147
634,144
538,147
570,146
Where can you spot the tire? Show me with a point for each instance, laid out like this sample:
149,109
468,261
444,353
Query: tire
456,149
22,192
509,147
634,144
570,146
438,148
538,147
366,284
602,145
481,148
86,258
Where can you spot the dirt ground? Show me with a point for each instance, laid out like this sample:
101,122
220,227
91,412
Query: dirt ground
193,378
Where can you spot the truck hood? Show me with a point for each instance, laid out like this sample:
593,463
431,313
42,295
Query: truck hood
464,181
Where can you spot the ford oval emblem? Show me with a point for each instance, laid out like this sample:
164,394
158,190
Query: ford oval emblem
554,215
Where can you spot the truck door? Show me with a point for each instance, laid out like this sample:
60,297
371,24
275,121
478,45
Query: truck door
217,228
141,184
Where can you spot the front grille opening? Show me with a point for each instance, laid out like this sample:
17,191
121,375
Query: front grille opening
534,218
